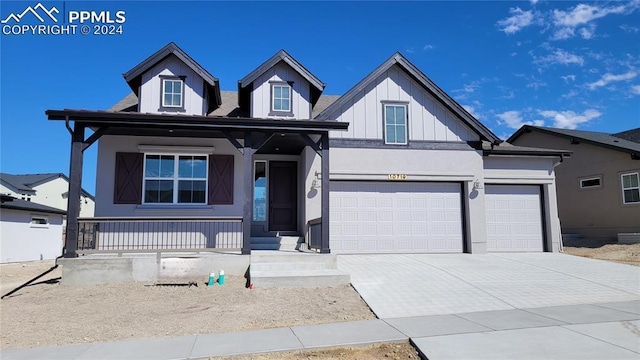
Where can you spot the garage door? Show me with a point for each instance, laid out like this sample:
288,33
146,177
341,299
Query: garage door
514,218
395,217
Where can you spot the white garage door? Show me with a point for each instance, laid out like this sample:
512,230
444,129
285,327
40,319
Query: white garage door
514,218
395,217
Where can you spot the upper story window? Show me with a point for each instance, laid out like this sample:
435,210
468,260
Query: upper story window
172,97
281,99
630,188
175,179
395,124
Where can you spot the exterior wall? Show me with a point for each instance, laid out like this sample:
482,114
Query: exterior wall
51,194
529,171
24,195
312,195
300,95
597,212
151,88
428,120
109,145
22,242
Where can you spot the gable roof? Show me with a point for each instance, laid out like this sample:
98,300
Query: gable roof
601,139
427,84
10,202
134,76
631,135
26,182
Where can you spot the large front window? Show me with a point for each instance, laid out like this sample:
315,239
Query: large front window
395,124
175,179
631,188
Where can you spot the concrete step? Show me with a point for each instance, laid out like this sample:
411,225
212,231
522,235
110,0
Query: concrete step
288,266
329,261
278,243
300,278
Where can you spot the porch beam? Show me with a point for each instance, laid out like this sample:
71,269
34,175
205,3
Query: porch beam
263,141
75,190
94,137
247,213
233,141
324,189
311,143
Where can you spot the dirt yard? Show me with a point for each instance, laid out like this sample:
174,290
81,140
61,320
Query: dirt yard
52,314
622,253
400,351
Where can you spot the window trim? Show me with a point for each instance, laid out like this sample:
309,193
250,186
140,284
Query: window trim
171,108
42,226
176,179
582,187
622,175
404,104
272,110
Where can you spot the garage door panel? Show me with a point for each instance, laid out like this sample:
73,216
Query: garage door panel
514,218
409,217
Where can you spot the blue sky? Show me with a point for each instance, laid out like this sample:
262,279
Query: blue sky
561,64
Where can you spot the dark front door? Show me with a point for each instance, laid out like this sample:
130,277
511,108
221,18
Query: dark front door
283,199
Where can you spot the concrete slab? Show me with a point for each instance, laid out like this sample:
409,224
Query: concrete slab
165,348
628,306
582,314
509,319
348,333
245,342
434,325
49,352
625,334
536,343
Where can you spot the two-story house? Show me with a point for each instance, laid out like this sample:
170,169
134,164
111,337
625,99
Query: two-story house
393,165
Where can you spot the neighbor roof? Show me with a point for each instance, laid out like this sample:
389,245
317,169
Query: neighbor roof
10,202
631,135
26,182
614,142
505,148
134,76
427,84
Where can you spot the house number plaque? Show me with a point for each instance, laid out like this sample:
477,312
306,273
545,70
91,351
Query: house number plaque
397,176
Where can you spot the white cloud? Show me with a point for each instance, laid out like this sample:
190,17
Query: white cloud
517,21
635,89
587,33
533,2
471,110
569,119
427,47
609,78
559,56
568,78
629,29
513,119
566,22
410,50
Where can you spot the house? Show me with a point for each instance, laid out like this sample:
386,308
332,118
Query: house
394,165
599,186
47,189
29,231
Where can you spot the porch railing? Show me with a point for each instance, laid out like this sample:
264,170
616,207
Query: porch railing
153,234
315,233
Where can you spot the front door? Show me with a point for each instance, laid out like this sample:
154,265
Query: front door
283,199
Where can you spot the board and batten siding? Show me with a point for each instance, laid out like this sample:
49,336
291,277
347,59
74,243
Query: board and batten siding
300,94
428,119
151,88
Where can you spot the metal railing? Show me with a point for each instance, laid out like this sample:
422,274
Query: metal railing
315,233
153,234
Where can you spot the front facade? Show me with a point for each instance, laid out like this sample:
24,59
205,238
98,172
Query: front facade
392,166
599,186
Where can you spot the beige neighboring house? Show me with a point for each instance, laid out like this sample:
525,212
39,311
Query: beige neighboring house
599,185
47,189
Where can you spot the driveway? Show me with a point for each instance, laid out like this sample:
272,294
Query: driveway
436,284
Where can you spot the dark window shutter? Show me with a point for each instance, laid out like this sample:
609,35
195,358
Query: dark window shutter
128,181
221,179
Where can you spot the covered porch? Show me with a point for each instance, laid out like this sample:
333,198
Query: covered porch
273,157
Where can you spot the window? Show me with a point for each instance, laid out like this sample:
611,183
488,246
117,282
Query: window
281,98
589,183
260,191
395,124
39,221
175,179
172,93
630,188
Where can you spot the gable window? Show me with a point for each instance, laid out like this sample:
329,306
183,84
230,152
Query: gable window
175,179
592,182
630,188
395,124
172,97
280,99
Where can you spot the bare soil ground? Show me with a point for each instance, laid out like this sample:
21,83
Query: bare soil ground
49,313
622,253
397,351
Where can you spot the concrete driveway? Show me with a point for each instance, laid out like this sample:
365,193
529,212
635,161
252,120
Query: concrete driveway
418,285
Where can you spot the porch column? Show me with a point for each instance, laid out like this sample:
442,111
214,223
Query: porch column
324,189
75,188
247,213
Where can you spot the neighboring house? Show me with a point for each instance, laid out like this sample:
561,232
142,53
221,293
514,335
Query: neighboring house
395,165
599,186
29,231
46,189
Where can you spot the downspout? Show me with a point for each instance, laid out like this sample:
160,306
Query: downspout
34,279
558,224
